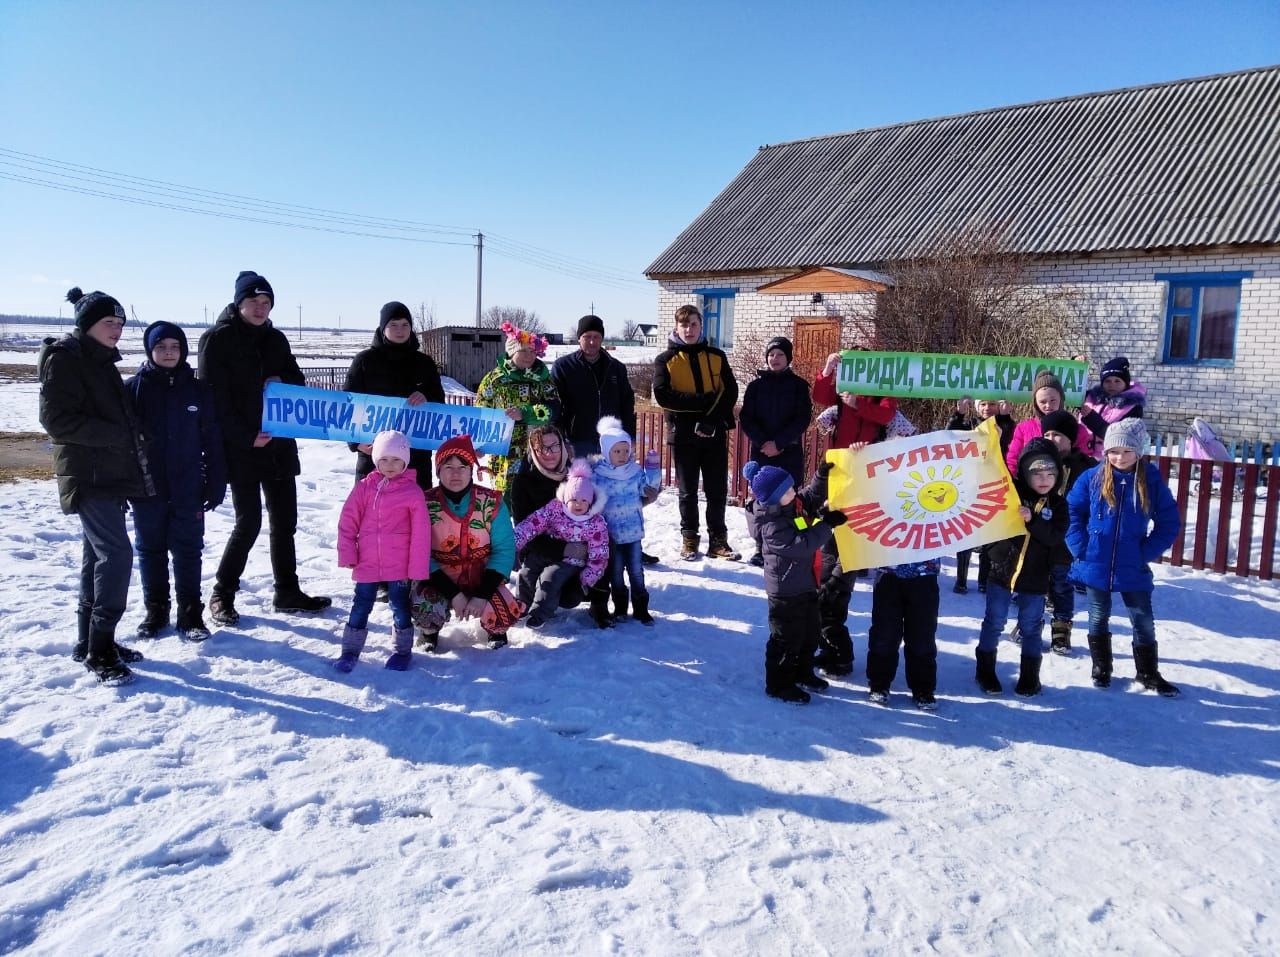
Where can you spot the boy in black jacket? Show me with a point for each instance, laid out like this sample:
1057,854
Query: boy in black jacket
1061,429
1023,565
185,453
791,537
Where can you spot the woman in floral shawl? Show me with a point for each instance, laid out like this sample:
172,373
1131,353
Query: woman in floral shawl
521,385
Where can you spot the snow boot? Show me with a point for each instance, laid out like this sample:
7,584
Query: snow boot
1146,659
222,607
191,625
1028,677
1060,637
353,640
427,641
961,586
81,649
806,679
600,608
1100,652
835,655
925,700
103,662
496,641
878,696
402,642
647,559
689,547
780,674
620,597
986,673
718,547
296,600
128,655
640,607
155,620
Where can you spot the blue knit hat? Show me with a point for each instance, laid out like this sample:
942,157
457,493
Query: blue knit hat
164,330
249,283
768,482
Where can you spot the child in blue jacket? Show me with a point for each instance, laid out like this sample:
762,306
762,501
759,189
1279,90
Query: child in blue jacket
1123,517
184,447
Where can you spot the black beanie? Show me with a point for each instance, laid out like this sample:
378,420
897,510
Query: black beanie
590,324
249,283
94,306
1061,421
779,342
1118,367
393,310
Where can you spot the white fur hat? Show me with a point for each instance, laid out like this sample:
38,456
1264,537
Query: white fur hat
611,433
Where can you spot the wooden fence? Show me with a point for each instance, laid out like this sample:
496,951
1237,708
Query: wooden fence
1230,511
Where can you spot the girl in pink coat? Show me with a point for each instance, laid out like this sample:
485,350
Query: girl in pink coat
575,517
1047,395
384,535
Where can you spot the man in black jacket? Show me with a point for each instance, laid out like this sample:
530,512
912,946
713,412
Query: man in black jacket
693,383
239,356
100,462
591,384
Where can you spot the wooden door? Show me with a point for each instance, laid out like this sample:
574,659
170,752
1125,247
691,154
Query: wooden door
812,340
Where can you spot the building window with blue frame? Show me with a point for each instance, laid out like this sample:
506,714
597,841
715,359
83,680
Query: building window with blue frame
1201,317
717,316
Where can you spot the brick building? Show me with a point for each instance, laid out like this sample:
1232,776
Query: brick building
1158,205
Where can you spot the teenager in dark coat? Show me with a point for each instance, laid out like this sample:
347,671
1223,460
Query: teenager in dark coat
1021,567
793,527
184,449
100,462
395,365
239,356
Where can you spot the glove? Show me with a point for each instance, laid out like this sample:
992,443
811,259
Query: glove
825,468
213,497
834,517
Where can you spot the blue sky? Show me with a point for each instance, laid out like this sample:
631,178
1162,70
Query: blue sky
581,135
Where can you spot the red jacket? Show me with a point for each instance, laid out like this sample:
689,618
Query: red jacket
863,422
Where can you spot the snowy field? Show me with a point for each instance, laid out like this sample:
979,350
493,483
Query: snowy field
623,792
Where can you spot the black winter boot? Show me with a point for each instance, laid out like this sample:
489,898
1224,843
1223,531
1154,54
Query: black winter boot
1146,658
1060,637
296,600
155,620
640,607
962,574
620,596
780,674
986,673
81,649
191,625
1100,652
104,662
600,608
835,651
222,607
1028,677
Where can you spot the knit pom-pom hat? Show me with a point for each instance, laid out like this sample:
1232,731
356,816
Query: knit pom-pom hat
1118,367
577,485
92,307
611,433
518,339
768,482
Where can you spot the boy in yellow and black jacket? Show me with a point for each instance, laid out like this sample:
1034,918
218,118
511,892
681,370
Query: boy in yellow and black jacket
1021,567
693,383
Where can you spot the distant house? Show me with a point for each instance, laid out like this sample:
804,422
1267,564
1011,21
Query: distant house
1160,204
646,333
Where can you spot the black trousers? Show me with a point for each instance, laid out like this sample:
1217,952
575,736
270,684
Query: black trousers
247,496
709,461
833,607
904,611
793,638
161,530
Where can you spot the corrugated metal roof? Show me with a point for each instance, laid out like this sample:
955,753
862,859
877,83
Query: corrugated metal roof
1183,164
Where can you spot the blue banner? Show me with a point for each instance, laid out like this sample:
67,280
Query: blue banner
297,412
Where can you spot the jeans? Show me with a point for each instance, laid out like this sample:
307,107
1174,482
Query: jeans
1063,591
367,593
1030,619
282,508
1138,604
710,462
626,557
159,531
106,562
904,611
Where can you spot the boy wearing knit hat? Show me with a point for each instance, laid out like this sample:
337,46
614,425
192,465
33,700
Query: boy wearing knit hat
186,458
793,526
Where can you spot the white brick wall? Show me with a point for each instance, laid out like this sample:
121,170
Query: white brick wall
1128,314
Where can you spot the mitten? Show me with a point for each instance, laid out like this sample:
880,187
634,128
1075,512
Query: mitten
834,517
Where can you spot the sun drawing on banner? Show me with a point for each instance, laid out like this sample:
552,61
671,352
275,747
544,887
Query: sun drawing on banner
930,494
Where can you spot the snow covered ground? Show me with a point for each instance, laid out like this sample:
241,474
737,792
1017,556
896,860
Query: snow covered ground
621,792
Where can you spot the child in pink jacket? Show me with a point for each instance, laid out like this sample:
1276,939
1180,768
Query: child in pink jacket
575,517
384,535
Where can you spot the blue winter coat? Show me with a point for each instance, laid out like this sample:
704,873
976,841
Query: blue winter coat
625,487
1113,547
184,444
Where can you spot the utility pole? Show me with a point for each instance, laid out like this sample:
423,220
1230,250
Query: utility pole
299,322
479,273
206,317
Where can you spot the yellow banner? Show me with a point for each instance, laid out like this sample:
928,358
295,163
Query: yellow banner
921,497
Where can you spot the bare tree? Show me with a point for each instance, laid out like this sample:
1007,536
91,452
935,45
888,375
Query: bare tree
629,329
971,295
495,316
425,317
